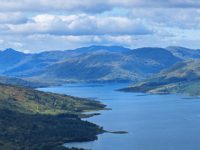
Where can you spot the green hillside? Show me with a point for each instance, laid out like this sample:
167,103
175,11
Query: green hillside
23,83
31,119
183,78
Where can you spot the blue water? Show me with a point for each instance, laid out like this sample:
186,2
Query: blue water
153,122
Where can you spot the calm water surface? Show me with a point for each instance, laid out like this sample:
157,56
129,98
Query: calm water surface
153,122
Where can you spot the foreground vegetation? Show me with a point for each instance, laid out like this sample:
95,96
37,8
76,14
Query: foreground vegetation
36,131
34,120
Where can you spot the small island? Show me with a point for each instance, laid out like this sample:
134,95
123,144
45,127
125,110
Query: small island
119,132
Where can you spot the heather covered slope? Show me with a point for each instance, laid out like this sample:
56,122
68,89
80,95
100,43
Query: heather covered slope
32,101
31,119
183,77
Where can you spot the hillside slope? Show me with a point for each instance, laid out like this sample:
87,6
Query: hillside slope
22,83
184,53
108,66
10,57
32,64
31,119
183,77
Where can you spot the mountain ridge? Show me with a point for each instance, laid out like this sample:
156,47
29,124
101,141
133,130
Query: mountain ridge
96,64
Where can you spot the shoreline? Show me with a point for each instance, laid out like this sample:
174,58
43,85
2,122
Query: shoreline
36,111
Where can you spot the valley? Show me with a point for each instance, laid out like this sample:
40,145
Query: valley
99,75
26,112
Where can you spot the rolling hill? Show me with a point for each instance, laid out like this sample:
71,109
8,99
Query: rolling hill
22,83
184,77
31,119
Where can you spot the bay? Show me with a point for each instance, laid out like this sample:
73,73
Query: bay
153,122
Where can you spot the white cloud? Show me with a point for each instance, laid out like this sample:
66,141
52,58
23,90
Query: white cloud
42,42
179,17
81,24
35,43
65,24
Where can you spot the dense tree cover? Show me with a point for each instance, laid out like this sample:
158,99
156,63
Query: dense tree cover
34,132
33,120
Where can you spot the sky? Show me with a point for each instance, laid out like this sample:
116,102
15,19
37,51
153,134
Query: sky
41,25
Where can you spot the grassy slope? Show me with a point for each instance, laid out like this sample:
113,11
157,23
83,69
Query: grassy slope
32,101
181,78
32,119
24,83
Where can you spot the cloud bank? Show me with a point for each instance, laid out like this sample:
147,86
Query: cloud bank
91,5
64,24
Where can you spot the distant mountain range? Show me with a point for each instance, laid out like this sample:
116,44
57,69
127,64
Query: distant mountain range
183,77
24,110
92,64
184,53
